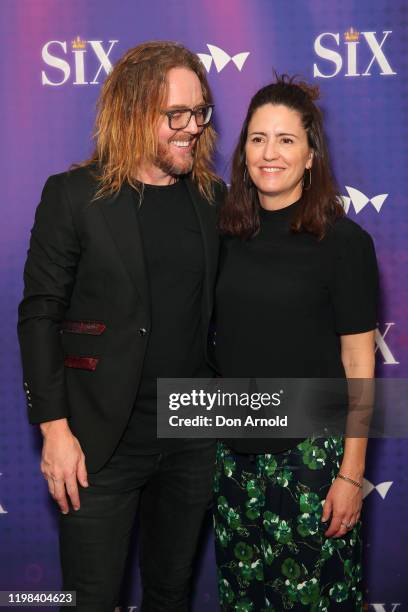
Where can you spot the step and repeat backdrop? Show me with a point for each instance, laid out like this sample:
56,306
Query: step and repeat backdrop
55,56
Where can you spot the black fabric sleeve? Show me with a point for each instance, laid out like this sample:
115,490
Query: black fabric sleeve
49,276
354,290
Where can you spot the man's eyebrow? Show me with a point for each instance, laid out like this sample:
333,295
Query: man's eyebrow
184,107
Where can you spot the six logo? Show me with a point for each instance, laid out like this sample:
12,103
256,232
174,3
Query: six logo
385,350
51,55
360,200
323,46
56,54
382,488
221,58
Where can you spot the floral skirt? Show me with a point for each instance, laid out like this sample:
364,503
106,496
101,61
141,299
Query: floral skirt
271,551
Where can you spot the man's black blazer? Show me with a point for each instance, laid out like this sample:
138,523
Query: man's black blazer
84,320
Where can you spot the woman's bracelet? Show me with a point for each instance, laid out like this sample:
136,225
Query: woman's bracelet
354,482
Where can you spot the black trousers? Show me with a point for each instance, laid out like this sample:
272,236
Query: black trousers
172,491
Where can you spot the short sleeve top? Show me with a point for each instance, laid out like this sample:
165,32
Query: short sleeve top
354,290
283,299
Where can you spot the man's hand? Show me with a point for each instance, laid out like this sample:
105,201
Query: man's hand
62,463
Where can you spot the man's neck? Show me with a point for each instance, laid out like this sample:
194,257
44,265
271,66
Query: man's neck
151,175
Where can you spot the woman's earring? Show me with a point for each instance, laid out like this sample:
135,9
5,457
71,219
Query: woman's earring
306,188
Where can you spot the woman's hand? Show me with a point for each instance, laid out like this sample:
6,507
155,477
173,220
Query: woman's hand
343,503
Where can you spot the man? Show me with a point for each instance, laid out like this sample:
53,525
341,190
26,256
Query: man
118,291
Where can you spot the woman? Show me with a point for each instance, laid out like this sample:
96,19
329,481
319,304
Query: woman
296,297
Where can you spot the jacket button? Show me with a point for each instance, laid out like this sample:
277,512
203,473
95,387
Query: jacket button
142,331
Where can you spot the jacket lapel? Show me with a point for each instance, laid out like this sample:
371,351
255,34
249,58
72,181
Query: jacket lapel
121,217
206,213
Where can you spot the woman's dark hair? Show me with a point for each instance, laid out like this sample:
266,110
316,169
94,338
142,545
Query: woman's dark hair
320,204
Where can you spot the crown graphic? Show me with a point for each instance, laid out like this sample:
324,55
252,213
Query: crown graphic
351,35
78,43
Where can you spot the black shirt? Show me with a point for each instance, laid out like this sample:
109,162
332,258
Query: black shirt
284,298
174,257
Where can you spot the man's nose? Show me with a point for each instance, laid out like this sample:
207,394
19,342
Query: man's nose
192,127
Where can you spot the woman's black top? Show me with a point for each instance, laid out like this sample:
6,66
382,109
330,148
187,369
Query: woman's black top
284,298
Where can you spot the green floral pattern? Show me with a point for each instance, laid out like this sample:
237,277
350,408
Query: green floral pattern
272,554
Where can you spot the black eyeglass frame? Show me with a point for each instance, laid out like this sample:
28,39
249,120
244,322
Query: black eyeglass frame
169,115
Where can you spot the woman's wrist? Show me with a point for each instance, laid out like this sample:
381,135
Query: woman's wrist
352,481
352,470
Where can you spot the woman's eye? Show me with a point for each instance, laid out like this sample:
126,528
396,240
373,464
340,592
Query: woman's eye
256,139
287,140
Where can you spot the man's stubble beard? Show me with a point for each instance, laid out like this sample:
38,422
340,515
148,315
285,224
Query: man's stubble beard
167,164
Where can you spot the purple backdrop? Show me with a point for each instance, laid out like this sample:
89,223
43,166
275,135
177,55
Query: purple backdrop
356,52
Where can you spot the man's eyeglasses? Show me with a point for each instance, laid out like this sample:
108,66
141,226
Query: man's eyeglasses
179,119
